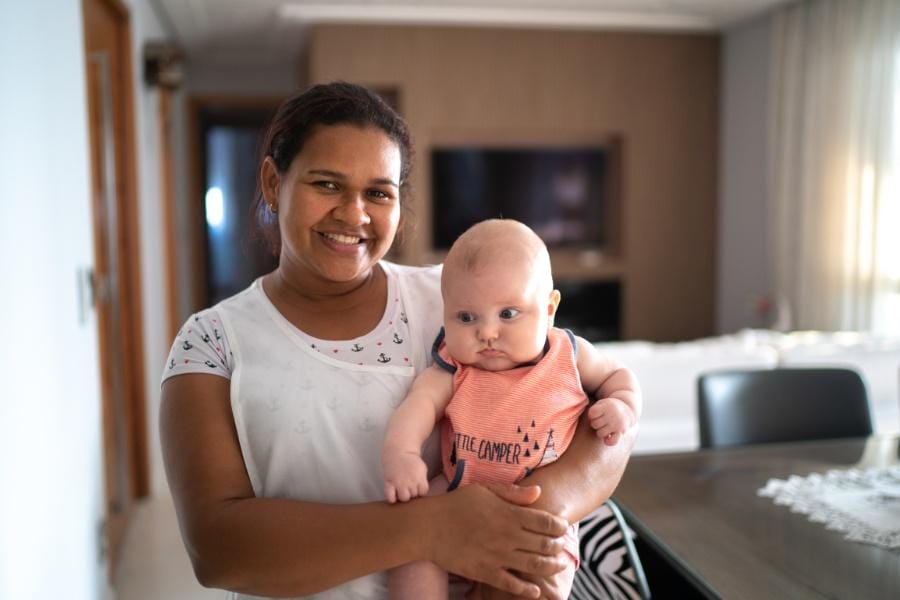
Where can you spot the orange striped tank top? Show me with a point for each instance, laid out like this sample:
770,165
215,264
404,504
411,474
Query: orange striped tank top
501,425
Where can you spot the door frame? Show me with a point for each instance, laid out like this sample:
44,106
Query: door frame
125,242
197,104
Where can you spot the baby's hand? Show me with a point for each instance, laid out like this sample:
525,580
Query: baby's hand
405,476
610,417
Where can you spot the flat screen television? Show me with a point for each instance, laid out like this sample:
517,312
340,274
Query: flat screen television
563,193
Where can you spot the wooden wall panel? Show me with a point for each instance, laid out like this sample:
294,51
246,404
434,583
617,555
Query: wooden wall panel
659,92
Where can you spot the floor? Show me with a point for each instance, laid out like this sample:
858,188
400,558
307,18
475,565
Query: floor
154,564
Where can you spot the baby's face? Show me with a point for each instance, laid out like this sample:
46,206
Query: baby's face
497,316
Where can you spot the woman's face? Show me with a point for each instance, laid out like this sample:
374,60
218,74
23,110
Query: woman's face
339,203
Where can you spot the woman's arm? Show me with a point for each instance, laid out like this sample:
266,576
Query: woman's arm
282,547
584,477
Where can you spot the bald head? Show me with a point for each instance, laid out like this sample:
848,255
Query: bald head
499,243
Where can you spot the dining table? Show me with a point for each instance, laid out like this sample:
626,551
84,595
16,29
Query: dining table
701,512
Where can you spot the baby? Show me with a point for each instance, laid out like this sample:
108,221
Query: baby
509,387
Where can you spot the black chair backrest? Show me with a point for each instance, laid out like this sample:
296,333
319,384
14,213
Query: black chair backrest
781,405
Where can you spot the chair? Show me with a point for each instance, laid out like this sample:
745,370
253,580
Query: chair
781,405
610,566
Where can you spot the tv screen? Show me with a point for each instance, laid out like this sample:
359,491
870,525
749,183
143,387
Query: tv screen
561,193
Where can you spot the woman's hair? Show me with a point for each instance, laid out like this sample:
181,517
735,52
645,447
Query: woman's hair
298,117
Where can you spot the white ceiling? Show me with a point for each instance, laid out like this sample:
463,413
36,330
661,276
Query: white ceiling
270,32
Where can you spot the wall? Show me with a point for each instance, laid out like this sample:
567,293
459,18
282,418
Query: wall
50,457
50,438
659,91
745,271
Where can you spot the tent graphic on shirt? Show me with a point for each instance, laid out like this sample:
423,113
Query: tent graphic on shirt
550,454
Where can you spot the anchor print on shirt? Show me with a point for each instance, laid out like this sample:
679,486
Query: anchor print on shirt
382,358
403,317
187,345
397,339
363,408
275,403
357,348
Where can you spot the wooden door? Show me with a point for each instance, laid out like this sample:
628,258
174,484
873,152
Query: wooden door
116,272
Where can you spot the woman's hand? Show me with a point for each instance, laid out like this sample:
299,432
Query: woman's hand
484,532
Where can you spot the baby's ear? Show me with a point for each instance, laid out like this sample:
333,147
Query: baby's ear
553,303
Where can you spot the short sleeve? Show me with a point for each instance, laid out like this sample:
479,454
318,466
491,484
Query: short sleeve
200,347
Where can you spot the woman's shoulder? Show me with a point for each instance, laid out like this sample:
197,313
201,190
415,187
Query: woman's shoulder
252,294
415,281
427,272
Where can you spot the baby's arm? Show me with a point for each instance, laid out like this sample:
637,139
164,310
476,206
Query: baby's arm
616,389
405,473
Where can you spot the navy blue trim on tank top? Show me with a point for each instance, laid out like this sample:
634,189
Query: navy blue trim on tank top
457,477
572,339
437,357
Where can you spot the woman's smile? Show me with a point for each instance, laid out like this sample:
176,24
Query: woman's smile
343,243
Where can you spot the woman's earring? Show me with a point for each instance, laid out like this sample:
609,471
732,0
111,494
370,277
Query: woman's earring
272,208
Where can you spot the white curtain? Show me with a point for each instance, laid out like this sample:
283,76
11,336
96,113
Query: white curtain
835,151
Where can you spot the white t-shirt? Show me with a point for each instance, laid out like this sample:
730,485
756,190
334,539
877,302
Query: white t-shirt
202,347
311,422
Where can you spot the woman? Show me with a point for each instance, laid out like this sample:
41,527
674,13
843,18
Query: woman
275,401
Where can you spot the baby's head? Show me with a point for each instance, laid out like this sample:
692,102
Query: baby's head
498,294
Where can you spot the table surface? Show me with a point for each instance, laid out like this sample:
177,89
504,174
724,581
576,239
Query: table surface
700,510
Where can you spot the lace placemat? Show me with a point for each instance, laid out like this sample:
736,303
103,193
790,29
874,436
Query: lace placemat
863,504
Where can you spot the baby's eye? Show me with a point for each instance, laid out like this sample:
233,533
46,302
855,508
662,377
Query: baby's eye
326,185
465,317
508,313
